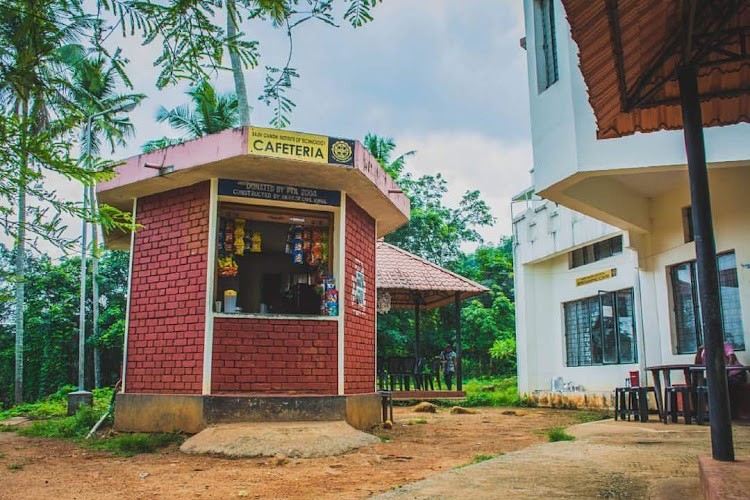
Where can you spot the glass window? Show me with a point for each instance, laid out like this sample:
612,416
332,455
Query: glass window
596,251
601,329
687,313
729,292
274,261
546,46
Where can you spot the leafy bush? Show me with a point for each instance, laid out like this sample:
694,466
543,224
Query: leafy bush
491,392
128,445
56,404
558,434
76,426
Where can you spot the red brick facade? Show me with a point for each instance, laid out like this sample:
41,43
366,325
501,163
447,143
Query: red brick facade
259,355
167,298
359,319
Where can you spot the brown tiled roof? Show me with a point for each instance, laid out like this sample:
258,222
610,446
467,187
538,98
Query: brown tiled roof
640,30
408,279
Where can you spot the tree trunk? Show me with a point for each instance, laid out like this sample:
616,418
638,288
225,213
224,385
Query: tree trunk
95,289
243,107
21,262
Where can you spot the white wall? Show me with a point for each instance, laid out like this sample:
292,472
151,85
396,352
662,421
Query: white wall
731,209
564,131
546,229
545,287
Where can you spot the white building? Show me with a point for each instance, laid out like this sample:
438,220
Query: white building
605,264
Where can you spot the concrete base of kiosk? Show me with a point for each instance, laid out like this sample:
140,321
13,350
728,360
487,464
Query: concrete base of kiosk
190,414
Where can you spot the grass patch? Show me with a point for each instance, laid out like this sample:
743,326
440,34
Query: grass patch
414,421
7,428
127,445
3,454
558,434
56,405
15,466
479,458
501,391
384,439
586,416
76,426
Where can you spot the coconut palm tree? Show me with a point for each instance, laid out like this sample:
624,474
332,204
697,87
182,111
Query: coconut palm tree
382,148
34,38
207,113
95,81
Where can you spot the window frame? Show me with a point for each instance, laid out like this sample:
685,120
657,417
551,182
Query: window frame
588,254
336,255
677,345
547,68
588,356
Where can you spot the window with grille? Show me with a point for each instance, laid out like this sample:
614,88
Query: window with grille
687,307
546,47
601,329
596,251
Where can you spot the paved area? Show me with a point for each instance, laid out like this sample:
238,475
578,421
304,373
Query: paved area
606,460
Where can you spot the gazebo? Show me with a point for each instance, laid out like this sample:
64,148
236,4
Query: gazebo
406,281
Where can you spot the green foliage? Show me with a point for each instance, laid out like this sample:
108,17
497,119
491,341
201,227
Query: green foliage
51,328
76,426
437,232
56,405
15,466
558,434
502,391
208,113
127,445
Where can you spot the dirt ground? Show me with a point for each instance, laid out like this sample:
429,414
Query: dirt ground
42,468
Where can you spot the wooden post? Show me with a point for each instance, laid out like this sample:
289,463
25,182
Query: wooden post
708,278
459,374
416,329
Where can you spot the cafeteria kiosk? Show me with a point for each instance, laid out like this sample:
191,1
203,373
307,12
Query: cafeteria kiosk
251,292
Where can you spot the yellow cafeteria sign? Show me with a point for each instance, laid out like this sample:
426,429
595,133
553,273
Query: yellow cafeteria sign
591,278
299,146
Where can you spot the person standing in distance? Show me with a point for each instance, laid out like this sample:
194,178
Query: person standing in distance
448,360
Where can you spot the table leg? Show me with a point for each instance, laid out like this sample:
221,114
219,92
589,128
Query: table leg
691,394
659,395
643,403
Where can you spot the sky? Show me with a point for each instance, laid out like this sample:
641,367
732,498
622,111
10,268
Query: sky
444,78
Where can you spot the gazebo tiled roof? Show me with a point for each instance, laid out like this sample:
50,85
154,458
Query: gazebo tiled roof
410,279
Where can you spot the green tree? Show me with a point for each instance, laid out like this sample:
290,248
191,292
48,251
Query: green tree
437,233
435,230
207,113
382,149
34,38
95,83
50,352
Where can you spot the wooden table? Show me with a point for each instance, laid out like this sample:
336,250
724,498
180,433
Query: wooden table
690,370
665,371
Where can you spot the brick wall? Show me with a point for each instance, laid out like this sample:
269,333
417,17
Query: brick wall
359,319
167,302
274,355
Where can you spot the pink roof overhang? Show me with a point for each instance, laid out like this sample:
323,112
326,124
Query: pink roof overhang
225,155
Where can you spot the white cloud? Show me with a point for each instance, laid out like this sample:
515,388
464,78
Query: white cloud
470,160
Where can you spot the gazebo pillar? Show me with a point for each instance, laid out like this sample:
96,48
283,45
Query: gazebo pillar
459,373
417,328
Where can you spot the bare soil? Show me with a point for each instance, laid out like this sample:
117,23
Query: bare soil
418,446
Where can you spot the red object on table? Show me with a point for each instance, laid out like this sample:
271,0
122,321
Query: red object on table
635,379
